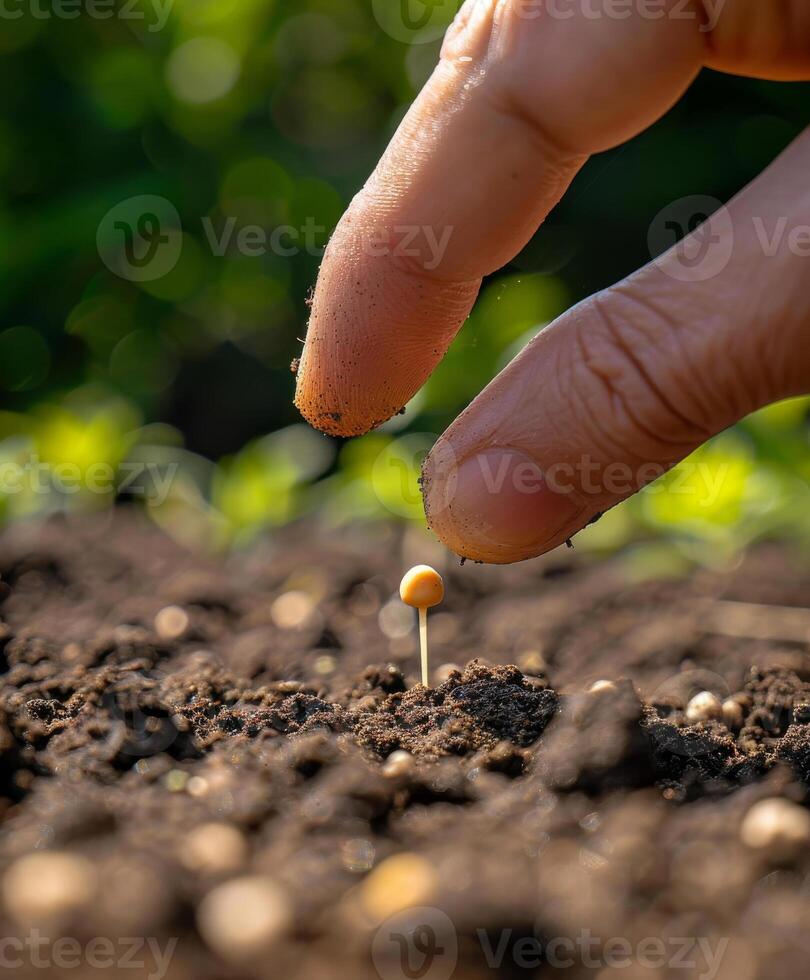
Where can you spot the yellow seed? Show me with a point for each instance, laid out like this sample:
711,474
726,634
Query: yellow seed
733,713
703,707
422,587
400,882
777,825
399,763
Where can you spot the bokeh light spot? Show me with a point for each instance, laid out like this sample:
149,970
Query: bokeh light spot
202,70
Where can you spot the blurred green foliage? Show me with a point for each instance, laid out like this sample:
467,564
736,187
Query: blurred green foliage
271,113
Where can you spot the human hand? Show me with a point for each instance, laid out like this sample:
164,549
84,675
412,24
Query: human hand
636,376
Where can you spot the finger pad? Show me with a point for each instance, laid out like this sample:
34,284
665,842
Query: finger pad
377,332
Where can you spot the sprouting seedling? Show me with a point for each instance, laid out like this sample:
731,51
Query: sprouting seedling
422,587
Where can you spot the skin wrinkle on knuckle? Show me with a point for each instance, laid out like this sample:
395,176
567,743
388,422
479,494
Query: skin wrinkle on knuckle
608,392
503,93
592,396
755,36
497,75
754,29
661,339
563,367
532,85
728,350
677,399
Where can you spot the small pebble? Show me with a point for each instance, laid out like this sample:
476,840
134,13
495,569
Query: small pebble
243,917
532,662
47,885
214,848
778,826
732,713
399,763
703,707
171,623
400,882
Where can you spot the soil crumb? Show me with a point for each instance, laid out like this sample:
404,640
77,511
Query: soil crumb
234,758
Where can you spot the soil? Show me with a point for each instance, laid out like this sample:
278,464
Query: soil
235,756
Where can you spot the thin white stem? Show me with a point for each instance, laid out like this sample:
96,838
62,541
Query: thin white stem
423,644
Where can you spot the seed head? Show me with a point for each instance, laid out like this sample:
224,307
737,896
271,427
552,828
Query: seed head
422,587
733,713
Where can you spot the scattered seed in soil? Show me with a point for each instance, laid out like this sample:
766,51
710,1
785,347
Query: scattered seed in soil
778,826
294,763
704,706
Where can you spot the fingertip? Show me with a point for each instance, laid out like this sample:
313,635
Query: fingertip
496,505
343,386
345,397
323,414
378,329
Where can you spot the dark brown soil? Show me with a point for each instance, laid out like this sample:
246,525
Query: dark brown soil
509,805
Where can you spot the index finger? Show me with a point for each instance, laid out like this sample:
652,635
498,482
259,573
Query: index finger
509,116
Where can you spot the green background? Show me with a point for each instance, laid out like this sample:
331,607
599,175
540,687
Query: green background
274,113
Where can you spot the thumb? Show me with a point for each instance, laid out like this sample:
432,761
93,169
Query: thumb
633,379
